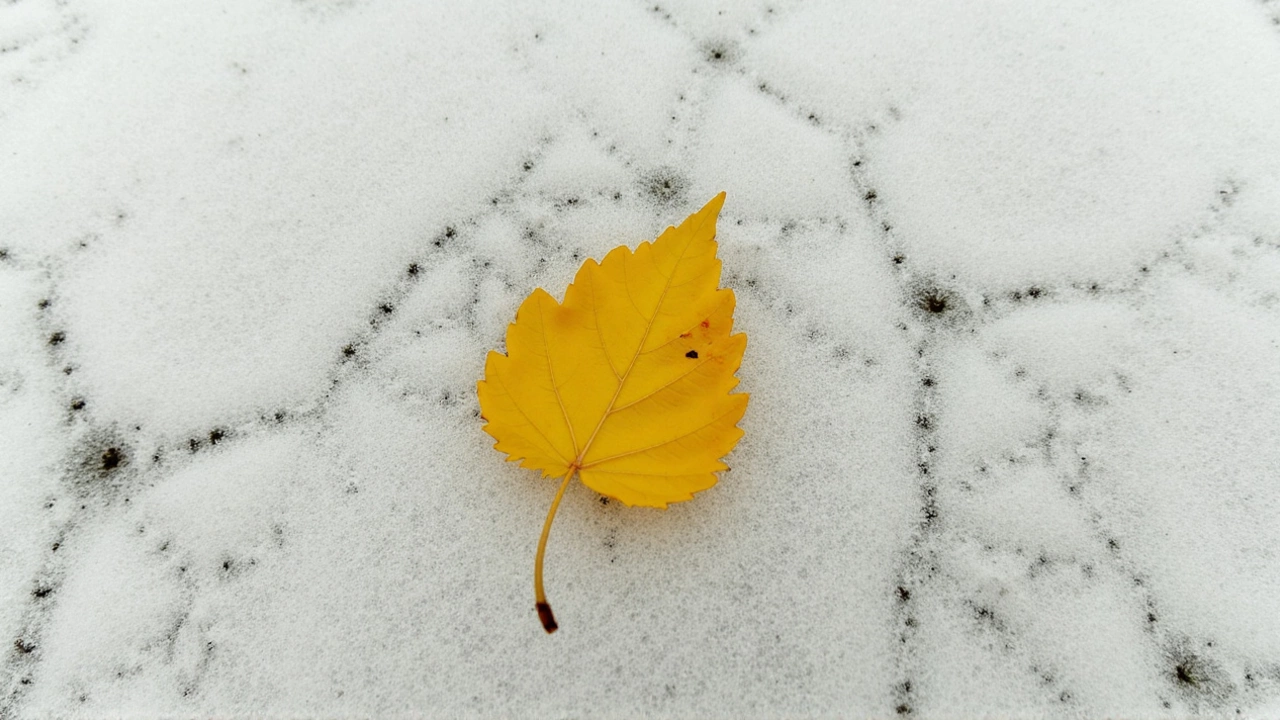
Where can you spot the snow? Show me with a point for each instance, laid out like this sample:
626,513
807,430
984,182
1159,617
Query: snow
1010,277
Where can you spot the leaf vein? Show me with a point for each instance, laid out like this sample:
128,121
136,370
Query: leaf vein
700,428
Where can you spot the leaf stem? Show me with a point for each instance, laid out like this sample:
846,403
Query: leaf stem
540,596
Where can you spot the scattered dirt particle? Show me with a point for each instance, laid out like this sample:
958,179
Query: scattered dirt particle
934,301
112,458
665,186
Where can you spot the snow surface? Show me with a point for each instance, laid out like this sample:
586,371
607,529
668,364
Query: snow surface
1011,278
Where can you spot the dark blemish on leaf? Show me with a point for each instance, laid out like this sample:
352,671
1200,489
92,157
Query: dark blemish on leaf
413,270
692,354
23,647
870,196
1035,292
386,308
44,304
216,436
927,382
55,546
57,338
548,620
1151,617
349,351
604,500
77,404
903,594
193,444
924,422
706,323
903,709
42,591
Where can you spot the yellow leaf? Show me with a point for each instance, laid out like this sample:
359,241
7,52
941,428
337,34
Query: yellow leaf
627,382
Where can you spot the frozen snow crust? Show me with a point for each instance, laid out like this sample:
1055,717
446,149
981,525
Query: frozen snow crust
1011,278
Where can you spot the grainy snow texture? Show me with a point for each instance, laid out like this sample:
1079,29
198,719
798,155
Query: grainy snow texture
1011,277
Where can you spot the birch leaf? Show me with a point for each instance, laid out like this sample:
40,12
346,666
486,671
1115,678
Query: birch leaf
626,384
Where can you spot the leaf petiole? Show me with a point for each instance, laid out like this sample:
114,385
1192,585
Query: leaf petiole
543,607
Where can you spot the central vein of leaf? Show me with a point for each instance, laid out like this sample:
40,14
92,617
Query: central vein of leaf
622,380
